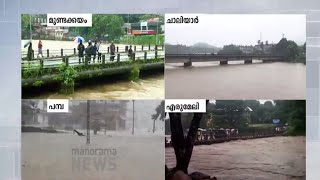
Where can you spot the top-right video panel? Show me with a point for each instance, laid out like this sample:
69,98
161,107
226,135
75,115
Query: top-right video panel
247,56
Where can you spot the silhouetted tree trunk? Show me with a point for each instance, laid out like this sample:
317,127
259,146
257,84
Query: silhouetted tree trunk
183,146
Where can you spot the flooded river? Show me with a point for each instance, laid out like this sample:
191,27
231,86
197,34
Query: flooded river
236,81
262,159
55,156
146,88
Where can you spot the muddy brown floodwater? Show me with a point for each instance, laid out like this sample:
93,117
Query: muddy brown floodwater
236,81
259,159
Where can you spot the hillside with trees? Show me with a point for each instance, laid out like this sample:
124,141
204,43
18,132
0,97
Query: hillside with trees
194,49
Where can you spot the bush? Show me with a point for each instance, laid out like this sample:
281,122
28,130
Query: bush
67,76
135,73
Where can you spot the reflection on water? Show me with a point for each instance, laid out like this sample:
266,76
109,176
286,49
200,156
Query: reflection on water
147,88
236,81
267,158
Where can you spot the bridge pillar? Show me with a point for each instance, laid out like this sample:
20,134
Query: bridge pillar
223,62
248,61
188,63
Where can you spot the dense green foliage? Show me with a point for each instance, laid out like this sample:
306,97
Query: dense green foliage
251,115
145,40
67,76
290,50
111,27
135,73
104,26
196,48
36,71
230,49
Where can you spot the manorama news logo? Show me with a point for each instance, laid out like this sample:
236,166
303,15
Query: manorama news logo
57,105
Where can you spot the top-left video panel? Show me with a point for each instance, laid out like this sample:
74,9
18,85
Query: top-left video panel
92,56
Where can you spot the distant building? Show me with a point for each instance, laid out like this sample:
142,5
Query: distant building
42,31
145,28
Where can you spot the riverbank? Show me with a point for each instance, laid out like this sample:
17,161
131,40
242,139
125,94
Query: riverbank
264,159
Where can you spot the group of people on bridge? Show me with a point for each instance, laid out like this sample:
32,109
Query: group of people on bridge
95,48
92,50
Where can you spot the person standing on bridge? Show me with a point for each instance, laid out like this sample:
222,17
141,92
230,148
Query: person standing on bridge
40,49
99,50
89,51
112,51
81,49
94,50
30,52
130,52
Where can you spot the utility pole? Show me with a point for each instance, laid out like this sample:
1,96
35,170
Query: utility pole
154,126
88,121
128,29
132,117
30,27
157,36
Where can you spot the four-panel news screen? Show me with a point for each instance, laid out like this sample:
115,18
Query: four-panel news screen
163,96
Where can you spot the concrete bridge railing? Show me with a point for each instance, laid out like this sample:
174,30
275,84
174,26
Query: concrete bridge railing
86,60
49,53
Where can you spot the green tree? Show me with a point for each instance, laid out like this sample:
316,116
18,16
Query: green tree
25,26
110,25
289,50
230,49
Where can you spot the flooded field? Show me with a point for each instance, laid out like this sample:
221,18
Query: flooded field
262,159
236,81
53,156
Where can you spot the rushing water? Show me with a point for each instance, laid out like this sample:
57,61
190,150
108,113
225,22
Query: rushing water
48,156
146,88
264,159
236,81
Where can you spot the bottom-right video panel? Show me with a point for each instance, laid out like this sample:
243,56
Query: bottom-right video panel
238,139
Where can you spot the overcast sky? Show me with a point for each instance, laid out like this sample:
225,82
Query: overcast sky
219,30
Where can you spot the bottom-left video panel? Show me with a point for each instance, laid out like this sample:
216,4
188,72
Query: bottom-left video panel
93,140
